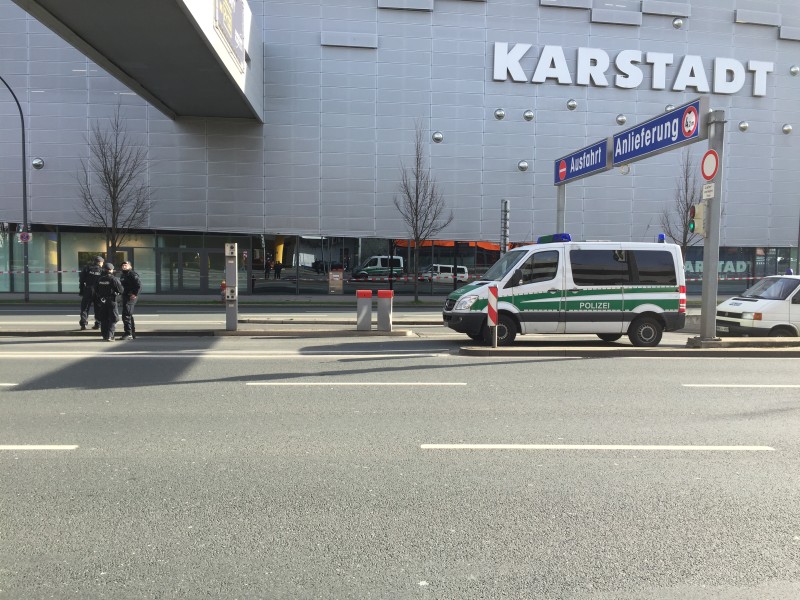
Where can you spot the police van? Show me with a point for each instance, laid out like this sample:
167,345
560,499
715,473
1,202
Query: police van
379,266
609,289
770,308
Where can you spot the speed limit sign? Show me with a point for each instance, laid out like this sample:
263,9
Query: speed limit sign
24,237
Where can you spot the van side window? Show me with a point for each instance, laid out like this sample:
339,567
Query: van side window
599,267
655,267
542,266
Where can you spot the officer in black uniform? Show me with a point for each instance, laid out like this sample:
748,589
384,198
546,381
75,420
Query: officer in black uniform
105,292
131,286
87,281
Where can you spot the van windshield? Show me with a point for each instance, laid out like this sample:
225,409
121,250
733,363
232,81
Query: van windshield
772,288
504,266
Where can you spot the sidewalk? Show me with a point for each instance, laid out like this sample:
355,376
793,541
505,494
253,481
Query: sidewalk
408,320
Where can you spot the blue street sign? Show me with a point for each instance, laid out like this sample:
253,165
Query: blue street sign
582,163
667,131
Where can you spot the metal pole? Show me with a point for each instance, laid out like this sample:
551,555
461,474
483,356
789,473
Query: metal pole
25,274
708,314
504,217
561,208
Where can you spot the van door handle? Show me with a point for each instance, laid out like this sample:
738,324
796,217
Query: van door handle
552,290
574,290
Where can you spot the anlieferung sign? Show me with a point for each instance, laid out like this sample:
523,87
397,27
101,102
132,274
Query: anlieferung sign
728,75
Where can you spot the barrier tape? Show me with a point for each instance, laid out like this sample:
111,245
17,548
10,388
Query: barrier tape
31,271
384,279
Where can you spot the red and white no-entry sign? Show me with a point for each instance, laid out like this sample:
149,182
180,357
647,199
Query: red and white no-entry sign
709,165
492,308
562,170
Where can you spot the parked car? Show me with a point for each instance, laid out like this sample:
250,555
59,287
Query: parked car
769,308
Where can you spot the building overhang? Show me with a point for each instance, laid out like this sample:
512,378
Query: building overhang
188,58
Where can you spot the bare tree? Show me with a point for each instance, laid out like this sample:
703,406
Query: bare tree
675,218
114,195
420,202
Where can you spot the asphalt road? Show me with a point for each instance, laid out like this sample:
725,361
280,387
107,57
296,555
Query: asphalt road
312,468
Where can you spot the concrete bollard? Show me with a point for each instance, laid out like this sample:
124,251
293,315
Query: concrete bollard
364,310
385,300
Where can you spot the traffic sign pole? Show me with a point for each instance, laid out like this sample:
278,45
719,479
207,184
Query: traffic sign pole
708,315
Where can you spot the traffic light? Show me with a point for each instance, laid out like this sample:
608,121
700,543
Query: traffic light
697,219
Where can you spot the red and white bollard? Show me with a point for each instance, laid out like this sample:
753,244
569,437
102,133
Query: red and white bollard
491,314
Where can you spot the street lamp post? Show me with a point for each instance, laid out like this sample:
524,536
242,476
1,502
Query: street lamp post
25,274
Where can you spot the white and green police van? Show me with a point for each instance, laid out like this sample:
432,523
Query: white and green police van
559,286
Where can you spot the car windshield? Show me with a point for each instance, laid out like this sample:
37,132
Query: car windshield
504,266
772,288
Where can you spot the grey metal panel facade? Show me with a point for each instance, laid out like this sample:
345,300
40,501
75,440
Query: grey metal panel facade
338,120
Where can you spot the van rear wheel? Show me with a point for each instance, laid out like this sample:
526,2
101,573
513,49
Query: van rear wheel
645,332
609,337
506,331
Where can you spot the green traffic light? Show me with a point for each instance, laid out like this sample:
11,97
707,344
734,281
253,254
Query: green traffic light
691,226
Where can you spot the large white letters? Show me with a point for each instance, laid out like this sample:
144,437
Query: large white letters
552,64
631,74
723,85
506,62
691,74
592,68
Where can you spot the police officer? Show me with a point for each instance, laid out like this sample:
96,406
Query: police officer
87,281
131,286
105,292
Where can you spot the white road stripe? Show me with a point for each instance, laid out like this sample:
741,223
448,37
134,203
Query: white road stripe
209,355
593,447
361,383
8,384
37,447
741,385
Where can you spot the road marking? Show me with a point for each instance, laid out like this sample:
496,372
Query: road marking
594,447
111,352
362,383
37,447
741,385
8,384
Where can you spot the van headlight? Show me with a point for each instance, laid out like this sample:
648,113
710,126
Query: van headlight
465,303
751,316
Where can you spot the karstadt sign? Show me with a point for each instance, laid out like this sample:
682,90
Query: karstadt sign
728,75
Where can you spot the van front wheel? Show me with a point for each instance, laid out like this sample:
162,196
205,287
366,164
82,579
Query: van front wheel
645,332
609,337
506,331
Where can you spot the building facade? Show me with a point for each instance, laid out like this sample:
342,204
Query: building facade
501,88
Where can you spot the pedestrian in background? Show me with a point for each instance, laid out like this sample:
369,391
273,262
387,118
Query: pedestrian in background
278,269
131,286
87,280
105,292
268,264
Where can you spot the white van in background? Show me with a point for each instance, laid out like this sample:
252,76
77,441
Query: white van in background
769,308
443,273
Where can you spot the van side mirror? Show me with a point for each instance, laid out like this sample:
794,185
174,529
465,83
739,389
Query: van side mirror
515,279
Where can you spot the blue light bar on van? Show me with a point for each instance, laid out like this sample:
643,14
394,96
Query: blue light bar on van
556,237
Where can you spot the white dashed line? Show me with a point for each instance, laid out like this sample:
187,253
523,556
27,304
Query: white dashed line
36,447
595,447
